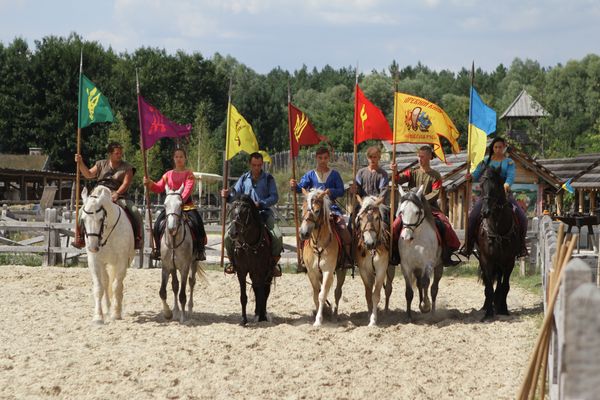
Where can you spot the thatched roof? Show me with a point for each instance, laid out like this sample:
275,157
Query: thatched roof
584,168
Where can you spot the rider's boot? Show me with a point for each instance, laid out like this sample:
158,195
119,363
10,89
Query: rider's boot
276,268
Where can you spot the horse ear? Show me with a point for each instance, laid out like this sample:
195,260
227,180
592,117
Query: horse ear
359,199
84,194
420,191
180,190
402,192
379,200
322,195
304,192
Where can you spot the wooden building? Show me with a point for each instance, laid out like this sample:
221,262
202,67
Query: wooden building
23,178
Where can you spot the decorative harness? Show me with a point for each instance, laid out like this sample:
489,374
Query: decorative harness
381,233
312,241
179,220
417,202
102,221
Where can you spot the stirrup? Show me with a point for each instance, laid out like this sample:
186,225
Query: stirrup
277,271
450,262
201,255
229,269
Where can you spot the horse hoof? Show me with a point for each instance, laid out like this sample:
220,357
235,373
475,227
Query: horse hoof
372,324
487,318
425,308
98,322
168,314
243,322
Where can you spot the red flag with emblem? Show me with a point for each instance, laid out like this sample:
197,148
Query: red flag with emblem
369,121
154,125
302,132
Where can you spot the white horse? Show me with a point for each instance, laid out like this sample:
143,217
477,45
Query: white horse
320,254
109,246
420,252
177,254
372,254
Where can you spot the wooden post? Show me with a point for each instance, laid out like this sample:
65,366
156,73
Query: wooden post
225,176
50,258
393,161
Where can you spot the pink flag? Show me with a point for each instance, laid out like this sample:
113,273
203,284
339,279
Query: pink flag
156,126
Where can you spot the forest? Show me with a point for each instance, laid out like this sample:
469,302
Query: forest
39,88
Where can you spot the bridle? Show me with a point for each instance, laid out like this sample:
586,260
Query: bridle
102,223
370,213
316,219
241,226
420,219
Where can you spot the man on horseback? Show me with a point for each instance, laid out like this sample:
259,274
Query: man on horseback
432,183
329,180
116,175
373,181
174,178
496,158
261,187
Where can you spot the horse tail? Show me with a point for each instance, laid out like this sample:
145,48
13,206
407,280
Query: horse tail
201,273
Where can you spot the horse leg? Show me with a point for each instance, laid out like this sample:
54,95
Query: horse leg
267,289
175,287
117,289
105,290
98,291
182,292
408,293
341,277
379,278
325,286
243,296
315,280
437,275
506,289
391,271
163,293
488,281
259,294
368,281
192,283
424,302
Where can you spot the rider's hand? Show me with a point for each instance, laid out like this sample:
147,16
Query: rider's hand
147,181
78,158
292,184
468,176
507,188
328,192
256,204
225,193
115,196
394,168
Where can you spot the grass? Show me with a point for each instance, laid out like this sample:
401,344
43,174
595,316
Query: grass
30,260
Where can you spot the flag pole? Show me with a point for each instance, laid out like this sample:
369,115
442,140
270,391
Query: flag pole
145,162
393,192
354,166
225,175
295,195
77,178
467,182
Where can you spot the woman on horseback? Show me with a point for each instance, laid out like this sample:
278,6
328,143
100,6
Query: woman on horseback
180,175
496,158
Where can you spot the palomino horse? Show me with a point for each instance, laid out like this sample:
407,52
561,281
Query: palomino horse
498,242
109,247
320,254
372,254
177,254
252,254
420,252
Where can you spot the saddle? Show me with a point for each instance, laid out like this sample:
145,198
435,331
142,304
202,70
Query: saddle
189,222
338,239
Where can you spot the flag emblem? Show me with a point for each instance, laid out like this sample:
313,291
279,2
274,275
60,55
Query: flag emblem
417,120
301,123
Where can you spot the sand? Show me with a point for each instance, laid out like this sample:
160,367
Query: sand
50,348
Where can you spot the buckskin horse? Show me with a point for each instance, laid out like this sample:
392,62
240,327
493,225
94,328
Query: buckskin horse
372,254
321,250
497,239
252,254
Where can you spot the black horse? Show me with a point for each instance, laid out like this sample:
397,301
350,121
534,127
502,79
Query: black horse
252,254
498,241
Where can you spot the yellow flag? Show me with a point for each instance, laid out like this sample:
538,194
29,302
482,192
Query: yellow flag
240,136
420,121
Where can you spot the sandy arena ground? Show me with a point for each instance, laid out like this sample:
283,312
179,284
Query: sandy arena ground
50,348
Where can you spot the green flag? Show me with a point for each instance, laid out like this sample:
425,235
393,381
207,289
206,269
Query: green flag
93,106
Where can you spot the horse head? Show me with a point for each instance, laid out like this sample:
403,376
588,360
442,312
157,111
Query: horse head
492,191
93,216
173,204
244,217
369,220
315,211
413,211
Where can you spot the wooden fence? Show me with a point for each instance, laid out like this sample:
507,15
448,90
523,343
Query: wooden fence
280,162
573,366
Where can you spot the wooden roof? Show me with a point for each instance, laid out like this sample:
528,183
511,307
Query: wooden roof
33,162
524,106
453,173
585,165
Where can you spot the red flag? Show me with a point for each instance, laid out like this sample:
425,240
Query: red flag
369,121
302,133
156,126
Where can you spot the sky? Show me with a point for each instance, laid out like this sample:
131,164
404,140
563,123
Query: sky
265,34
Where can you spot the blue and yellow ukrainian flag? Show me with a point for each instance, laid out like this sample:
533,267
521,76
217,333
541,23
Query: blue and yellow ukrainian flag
482,122
567,186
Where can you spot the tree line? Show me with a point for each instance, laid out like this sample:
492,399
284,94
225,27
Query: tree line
39,86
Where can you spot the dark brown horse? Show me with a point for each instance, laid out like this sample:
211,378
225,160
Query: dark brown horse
252,254
498,241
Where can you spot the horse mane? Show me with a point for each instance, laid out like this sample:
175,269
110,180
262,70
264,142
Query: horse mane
367,202
326,203
246,199
493,174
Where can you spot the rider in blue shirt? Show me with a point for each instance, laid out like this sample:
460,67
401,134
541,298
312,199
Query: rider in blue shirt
329,180
262,189
496,158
